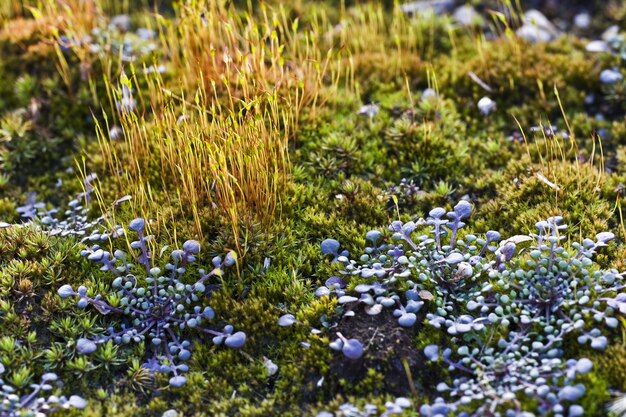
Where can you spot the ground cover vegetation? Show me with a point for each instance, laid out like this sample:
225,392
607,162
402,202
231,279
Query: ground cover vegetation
329,208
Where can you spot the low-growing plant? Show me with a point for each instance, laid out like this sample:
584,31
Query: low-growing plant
156,307
35,404
506,314
75,221
427,270
496,378
370,410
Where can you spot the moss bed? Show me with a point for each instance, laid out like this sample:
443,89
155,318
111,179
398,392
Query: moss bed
368,115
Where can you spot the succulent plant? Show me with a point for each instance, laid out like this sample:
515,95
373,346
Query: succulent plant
505,312
555,291
436,268
72,222
34,404
395,408
538,299
494,377
157,307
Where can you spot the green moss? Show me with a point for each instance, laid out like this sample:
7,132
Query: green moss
527,193
342,166
609,367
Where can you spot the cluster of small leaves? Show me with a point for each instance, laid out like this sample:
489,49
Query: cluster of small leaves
491,379
33,404
72,222
539,299
157,306
407,274
506,316
395,408
555,292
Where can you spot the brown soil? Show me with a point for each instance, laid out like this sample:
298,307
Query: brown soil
387,347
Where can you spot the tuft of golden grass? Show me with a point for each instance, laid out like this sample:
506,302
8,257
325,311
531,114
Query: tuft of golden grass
214,132
219,135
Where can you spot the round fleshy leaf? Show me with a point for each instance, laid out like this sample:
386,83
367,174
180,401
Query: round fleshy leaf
374,309
576,410
599,343
344,299
426,295
437,213
432,352
236,340
407,320
605,237
463,209
192,246
336,345
472,305
230,259
137,225
373,235
77,402
442,386
49,377
508,250
493,236
584,366
270,366
66,291
322,292
208,313
352,349
286,320
335,282
454,258
85,346
330,247
387,302
403,402
362,288
178,381
82,303
571,393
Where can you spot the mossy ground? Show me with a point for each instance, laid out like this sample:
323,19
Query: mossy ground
342,167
